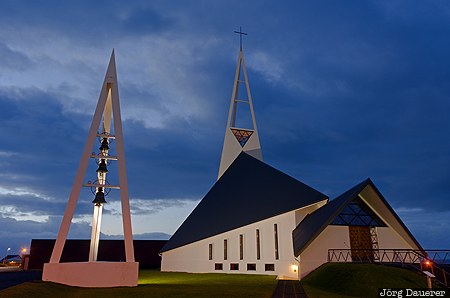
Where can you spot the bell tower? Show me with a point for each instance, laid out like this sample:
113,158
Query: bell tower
240,137
92,273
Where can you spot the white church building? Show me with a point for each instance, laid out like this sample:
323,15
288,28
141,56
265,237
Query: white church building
258,220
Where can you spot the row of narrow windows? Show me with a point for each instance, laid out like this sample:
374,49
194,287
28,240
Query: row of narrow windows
250,267
241,246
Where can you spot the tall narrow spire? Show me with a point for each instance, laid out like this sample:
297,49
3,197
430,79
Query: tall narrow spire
239,137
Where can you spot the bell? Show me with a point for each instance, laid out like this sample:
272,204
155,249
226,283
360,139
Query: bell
104,146
102,167
99,197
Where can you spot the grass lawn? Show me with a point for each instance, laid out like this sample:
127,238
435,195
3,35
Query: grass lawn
159,284
330,280
358,280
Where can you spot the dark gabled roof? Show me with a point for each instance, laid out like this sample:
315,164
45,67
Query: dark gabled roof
248,191
313,224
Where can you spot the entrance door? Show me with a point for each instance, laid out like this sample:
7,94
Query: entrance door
361,244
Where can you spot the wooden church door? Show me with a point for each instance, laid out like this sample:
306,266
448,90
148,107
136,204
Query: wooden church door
360,243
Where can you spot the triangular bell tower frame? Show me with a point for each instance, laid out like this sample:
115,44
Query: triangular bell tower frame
239,139
92,273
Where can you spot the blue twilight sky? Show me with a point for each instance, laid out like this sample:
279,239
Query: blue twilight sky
342,90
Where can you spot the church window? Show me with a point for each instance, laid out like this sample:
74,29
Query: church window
258,245
225,249
270,267
241,247
242,135
234,266
218,266
275,233
251,267
210,251
357,213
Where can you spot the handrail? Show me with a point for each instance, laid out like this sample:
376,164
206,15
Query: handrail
431,260
439,256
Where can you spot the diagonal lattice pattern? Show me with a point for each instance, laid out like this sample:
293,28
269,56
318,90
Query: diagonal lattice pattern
242,135
357,213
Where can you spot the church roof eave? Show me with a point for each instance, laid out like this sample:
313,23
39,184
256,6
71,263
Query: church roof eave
314,223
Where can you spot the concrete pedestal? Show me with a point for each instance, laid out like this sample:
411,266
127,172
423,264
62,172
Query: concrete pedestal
93,274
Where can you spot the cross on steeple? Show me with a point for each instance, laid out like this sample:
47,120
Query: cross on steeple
240,36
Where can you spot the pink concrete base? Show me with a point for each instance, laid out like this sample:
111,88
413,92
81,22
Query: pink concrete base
93,274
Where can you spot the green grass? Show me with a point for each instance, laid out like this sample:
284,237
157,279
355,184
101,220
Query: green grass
358,280
330,280
159,284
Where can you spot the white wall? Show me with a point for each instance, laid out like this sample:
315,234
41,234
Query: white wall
337,237
194,257
389,238
316,253
397,232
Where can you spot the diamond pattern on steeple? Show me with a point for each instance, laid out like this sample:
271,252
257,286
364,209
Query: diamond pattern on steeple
242,135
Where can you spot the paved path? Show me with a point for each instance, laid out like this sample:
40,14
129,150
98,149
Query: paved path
289,289
13,278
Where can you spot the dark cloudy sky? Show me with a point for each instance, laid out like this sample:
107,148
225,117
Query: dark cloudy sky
342,90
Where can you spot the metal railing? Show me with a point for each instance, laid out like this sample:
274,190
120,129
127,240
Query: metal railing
434,261
439,256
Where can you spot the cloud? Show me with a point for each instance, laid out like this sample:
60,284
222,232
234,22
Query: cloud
266,64
7,154
18,233
149,207
13,60
143,236
21,192
32,206
145,20
341,93
428,227
157,87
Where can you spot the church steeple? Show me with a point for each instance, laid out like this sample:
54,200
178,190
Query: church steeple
240,137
